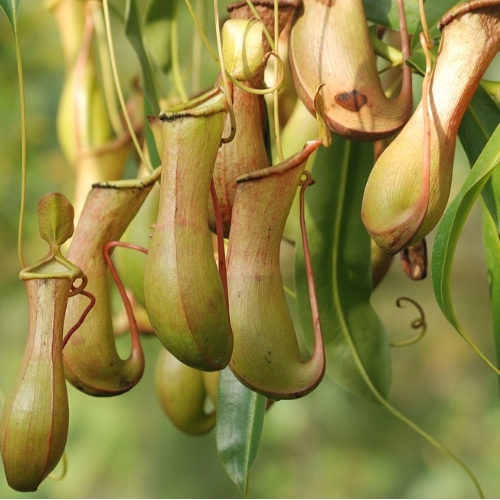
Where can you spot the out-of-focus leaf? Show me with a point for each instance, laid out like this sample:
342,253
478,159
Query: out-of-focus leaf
134,34
450,228
157,20
434,11
10,8
355,341
385,12
240,417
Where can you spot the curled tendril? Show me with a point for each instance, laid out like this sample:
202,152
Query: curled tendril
75,290
257,16
417,324
267,90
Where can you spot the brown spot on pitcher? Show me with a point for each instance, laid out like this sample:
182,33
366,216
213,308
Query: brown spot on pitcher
352,101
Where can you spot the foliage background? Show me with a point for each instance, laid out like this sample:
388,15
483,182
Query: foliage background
329,444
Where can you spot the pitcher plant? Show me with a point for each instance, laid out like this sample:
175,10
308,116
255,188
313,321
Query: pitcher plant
35,417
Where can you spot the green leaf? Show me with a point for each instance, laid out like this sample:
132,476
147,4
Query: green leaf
240,417
157,25
55,218
357,349
450,228
434,11
479,122
491,239
10,8
385,12
134,35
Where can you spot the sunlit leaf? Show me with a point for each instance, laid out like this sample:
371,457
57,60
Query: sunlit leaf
479,122
355,340
240,417
10,8
450,228
55,218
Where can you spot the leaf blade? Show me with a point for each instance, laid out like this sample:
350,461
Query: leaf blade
10,9
240,417
356,344
134,35
449,230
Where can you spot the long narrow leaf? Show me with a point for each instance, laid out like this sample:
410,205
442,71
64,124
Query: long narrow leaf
10,8
355,339
450,228
479,122
157,25
491,239
240,417
134,35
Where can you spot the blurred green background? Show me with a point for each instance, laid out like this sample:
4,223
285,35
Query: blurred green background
328,444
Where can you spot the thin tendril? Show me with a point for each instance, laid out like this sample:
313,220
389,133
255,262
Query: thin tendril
400,416
200,30
80,96
107,75
277,130
22,208
225,81
134,329
221,255
174,54
119,92
319,350
268,90
74,291
425,26
196,54
257,16
417,324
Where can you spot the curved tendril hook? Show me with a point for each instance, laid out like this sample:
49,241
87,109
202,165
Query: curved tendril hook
416,324
221,253
306,181
134,330
268,90
75,291
225,82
